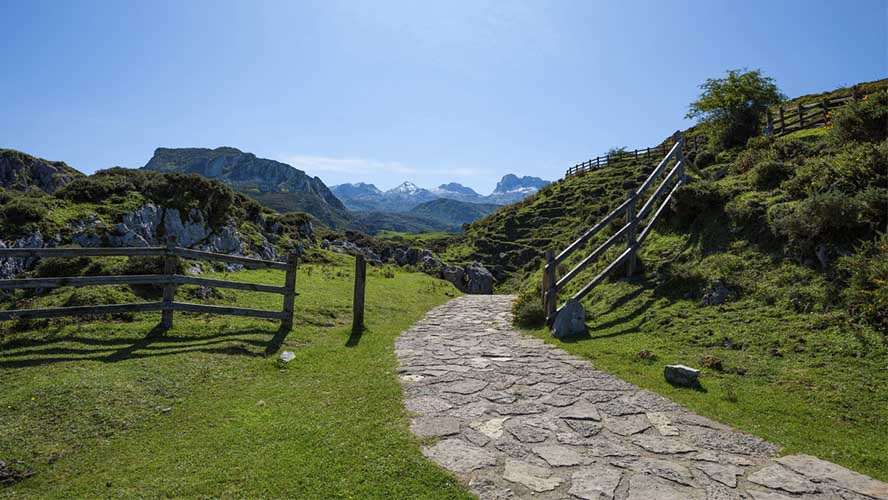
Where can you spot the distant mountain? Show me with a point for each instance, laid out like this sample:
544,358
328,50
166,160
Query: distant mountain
274,184
21,172
453,212
456,191
511,188
404,198
363,197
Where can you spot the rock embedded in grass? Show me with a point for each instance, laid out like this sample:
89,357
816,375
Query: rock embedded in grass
681,375
287,356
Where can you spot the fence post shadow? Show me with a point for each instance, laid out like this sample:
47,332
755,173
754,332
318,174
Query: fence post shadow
274,345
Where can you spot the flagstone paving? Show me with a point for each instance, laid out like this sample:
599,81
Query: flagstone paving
516,418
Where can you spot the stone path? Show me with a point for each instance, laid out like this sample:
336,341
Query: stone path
516,418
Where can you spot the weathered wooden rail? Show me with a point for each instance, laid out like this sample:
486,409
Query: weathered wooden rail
785,120
633,216
651,155
168,280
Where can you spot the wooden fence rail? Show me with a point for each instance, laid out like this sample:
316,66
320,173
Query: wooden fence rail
630,230
786,119
168,280
690,145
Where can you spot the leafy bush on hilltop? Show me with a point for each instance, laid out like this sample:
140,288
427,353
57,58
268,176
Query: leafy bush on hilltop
731,108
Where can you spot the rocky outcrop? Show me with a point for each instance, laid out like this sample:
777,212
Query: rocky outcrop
150,225
21,172
12,266
472,278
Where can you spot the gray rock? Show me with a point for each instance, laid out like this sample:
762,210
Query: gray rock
681,375
478,279
455,275
435,426
581,410
287,356
570,321
777,477
558,456
829,473
12,266
627,425
644,487
492,428
658,444
538,479
715,295
597,482
662,423
459,456
665,469
725,474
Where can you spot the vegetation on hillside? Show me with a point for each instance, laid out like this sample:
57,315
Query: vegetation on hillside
793,229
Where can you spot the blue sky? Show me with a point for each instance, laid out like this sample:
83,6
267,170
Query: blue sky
384,92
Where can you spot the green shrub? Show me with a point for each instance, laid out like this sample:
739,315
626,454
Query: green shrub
768,174
528,311
863,121
786,149
100,295
694,199
747,159
61,267
853,168
23,210
704,159
829,217
865,276
98,187
748,210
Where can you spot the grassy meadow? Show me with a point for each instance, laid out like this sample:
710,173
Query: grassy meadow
100,409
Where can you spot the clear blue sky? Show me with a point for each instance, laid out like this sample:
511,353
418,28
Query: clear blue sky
383,92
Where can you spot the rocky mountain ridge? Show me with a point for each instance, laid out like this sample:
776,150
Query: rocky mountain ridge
275,184
407,196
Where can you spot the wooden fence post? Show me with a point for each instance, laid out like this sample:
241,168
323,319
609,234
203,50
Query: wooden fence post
824,107
630,235
768,128
289,292
358,302
801,112
170,262
782,122
550,292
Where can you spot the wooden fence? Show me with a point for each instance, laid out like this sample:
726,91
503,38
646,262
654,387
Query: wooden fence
784,119
630,231
650,155
169,280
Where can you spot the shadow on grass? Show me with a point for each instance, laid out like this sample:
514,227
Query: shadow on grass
22,353
355,337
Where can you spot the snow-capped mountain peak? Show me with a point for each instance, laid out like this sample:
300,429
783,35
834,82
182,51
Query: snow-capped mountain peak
406,187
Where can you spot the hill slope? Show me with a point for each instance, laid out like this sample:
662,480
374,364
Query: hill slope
21,172
274,184
790,233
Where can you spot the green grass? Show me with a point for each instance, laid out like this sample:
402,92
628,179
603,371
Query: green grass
84,403
808,382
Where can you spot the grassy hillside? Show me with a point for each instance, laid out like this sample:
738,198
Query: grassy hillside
794,229
97,409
